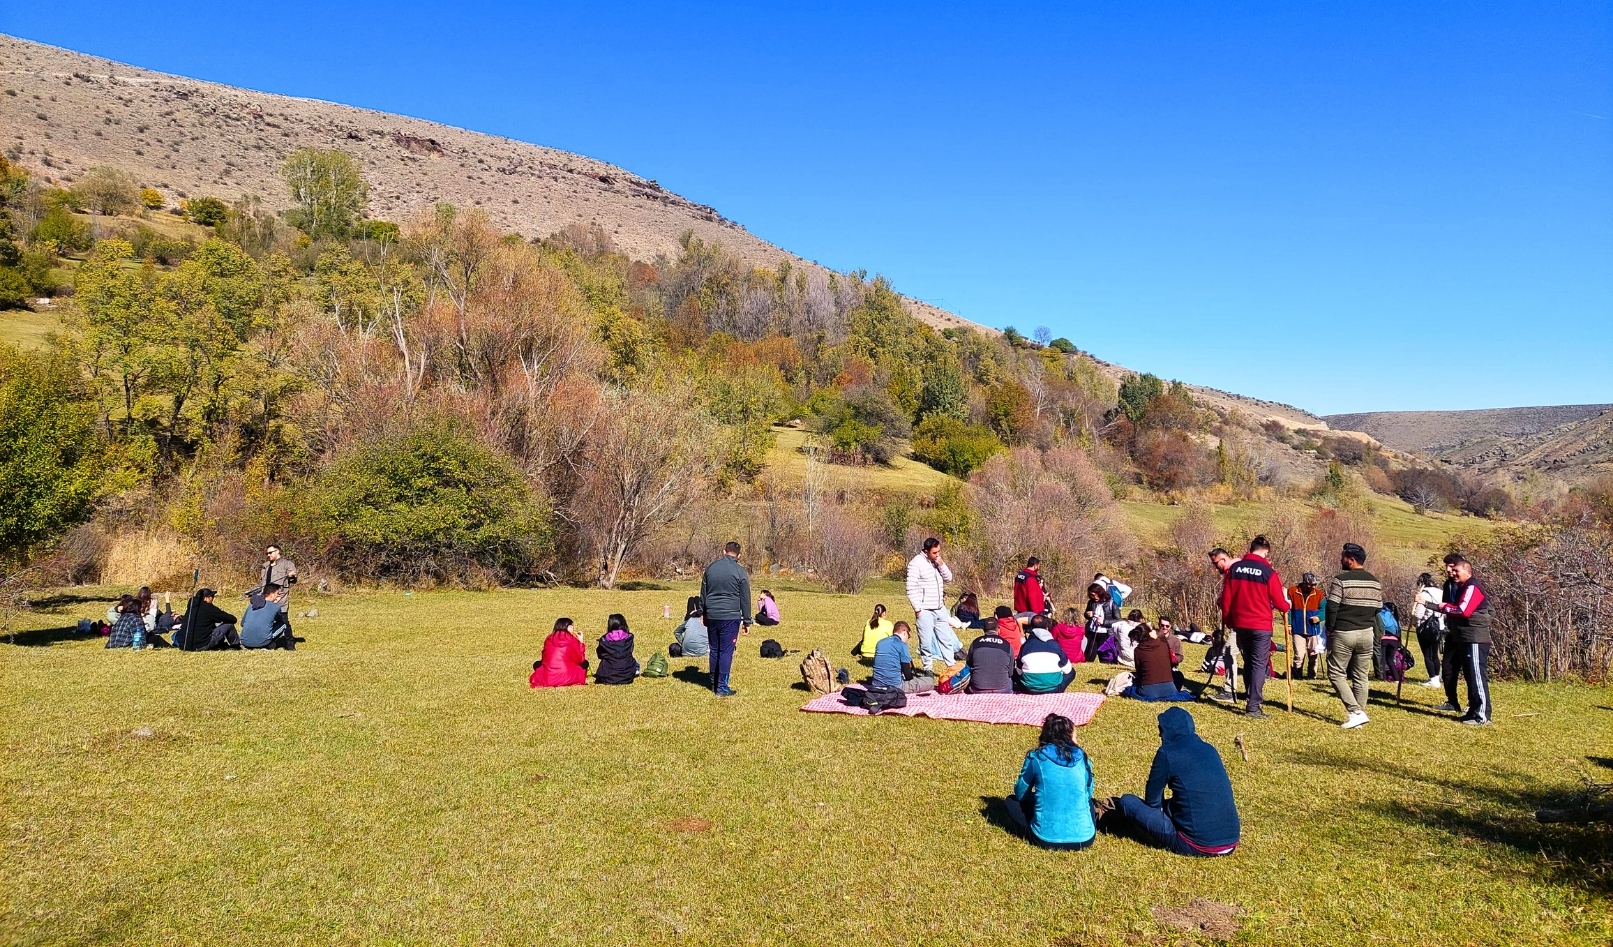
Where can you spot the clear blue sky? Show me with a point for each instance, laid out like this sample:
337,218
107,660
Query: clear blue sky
1343,206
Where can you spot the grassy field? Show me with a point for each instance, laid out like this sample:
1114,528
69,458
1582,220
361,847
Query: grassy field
395,781
787,464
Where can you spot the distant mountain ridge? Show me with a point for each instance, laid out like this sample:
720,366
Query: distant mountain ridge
1573,441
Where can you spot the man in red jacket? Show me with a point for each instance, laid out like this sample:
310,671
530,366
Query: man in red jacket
1251,592
1030,595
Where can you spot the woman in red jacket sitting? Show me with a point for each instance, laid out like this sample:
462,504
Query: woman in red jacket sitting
564,659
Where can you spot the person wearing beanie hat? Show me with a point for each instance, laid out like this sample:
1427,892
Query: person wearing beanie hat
1306,608
1353,600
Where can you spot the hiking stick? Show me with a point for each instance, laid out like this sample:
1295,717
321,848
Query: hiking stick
1288,634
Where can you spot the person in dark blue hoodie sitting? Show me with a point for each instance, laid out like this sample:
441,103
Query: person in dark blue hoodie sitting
1052,801
1200,817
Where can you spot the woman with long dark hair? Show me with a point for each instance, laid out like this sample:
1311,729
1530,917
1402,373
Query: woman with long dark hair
1425,614
616,662
877,627
1052,801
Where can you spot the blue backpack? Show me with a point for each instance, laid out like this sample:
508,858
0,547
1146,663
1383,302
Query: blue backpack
1114,596
1389,620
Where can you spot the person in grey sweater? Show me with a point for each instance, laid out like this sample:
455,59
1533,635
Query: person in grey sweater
1353,599
725,589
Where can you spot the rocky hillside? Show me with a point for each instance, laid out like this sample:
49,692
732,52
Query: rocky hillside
65,112
1572,441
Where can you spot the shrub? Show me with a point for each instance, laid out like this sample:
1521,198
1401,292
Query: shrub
1553,609
206,211
105,190
376,230
430,504
59,227
50,461
1063,345
847,549
953,446
152,198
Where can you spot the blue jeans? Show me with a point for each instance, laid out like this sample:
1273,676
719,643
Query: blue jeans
724,638
1155,825
936,639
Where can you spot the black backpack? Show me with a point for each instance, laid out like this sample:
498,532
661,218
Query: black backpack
772,649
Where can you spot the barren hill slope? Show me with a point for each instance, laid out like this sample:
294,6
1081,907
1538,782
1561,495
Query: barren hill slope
64,112
188,138
1575,441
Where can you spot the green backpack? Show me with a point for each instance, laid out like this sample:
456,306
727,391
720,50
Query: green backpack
656,666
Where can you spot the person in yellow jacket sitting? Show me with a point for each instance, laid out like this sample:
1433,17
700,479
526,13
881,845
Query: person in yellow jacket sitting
878,627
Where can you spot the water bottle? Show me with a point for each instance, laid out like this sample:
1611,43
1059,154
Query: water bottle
139,637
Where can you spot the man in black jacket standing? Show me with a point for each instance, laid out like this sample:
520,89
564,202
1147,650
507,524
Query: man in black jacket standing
725,588
1469,615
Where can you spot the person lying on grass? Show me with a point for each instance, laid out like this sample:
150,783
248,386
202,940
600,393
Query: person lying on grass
1052,800
1199,818
1155,677
878,627
1044,668
616,662
564,662
893,665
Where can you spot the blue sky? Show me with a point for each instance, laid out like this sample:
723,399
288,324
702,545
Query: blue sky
1342,206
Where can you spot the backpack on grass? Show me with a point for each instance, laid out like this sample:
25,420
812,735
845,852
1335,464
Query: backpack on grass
656,666
772,649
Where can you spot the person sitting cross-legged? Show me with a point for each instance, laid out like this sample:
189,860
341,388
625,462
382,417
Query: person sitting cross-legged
1052,800
1199,818
1155,678
991,663
616,662
692,639
265,626
893,665
564,662
877,628
205,626
1044,668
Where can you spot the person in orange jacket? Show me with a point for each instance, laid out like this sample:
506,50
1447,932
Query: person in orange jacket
1305,603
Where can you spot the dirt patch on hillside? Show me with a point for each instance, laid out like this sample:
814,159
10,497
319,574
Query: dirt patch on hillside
1202,916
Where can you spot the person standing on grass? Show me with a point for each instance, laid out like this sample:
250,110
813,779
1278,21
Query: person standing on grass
1227,647
1052,800
1030,593
1353,599
1200,818
927,576
1305,619
278,570
1469,616
1250,595
725,588
1430,624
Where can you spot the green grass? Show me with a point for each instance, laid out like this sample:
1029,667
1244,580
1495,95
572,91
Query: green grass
1403,534
395,781
787,464
28,329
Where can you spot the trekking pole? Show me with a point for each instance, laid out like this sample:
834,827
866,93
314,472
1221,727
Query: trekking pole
1288,634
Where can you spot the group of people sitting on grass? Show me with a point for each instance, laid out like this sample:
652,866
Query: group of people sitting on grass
138,623
1022,648
565,657
1052,802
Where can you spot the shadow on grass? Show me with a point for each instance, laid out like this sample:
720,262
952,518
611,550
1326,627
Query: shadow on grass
64,599
45,637
1576,856
696,674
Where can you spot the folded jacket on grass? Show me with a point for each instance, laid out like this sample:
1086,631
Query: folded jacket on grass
1028,709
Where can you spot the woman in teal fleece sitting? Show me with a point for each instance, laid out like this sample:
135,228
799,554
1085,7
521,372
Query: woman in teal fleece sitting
1052,801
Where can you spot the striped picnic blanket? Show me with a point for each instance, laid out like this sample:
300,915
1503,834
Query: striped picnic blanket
1027,709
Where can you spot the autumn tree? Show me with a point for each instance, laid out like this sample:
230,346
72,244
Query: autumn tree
329,190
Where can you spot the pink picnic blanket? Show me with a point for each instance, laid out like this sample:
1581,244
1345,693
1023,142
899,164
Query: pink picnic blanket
984,708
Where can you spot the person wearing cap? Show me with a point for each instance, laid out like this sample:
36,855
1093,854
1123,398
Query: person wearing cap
1306,602
1353,600
1030,593
205,626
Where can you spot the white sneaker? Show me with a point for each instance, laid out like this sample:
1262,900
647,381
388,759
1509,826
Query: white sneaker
1433,682
1355,720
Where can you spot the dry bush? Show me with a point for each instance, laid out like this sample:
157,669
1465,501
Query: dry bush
848,548
1054,505
1178,579
1553,600
162,560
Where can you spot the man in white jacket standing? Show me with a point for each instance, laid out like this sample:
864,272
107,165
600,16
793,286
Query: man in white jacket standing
927,575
